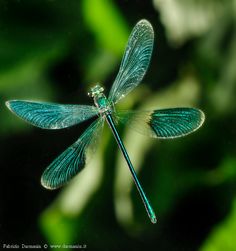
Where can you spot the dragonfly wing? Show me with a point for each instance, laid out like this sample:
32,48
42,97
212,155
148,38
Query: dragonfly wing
165,123
50,115
135,61
73,159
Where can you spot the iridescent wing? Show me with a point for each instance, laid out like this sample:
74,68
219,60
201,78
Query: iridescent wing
165,123
73,159
135,61
49,115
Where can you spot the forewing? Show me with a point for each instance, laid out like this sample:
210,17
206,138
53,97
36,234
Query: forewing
165,123
50,115
135,61
73,159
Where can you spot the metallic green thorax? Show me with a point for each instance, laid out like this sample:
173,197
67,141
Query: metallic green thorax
100,100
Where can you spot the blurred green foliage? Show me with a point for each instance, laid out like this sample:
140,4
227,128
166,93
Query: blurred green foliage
54,50
223,236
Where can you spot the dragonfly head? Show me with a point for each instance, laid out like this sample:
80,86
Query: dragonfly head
95,91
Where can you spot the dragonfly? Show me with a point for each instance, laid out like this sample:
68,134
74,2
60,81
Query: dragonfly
161,123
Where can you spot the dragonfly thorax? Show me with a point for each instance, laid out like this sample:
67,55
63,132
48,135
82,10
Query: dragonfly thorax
100,100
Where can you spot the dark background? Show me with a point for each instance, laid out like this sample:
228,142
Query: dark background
54,51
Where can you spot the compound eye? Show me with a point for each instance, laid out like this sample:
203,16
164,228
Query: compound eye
90,94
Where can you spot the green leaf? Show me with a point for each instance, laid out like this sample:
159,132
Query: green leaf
223,236
106,22
111,35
